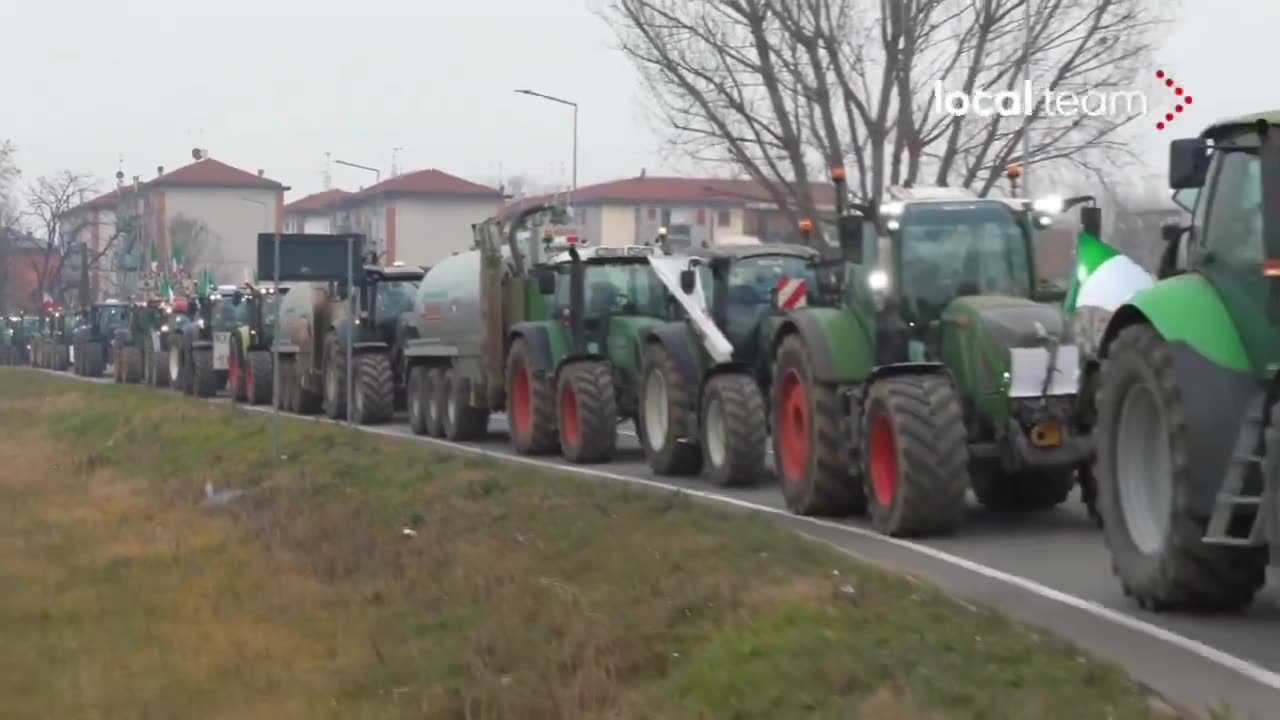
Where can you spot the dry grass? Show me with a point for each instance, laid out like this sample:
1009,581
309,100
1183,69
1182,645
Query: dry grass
518,595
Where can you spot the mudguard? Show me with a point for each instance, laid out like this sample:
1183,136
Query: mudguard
1211,367
840,342
545,347
678,339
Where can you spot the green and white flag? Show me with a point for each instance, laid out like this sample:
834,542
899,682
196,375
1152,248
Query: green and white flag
177,260
1104,279
155,259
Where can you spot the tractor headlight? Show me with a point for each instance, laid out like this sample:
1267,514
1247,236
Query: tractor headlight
164,328
200,323
878,281
1048,205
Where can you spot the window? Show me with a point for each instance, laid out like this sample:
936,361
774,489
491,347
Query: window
702,216
722,219
653,214
1234,230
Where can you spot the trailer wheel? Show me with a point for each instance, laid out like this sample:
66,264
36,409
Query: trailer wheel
437,402
63,359
732,430
418,398
335,379
204,379
666,403
1155,541
917,455
462,422
809,443
237,385
588,410
531,404
374,395
131,359
258,377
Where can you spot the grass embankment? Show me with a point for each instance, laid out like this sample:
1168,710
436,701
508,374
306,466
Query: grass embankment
521,595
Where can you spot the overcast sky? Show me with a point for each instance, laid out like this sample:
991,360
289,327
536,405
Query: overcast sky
86,82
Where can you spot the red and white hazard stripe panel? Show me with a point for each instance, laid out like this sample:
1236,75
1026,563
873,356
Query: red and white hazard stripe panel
792,293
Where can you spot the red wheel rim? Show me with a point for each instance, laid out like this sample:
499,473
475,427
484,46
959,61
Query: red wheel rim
233,369
884,461
521,399
793,426
569,415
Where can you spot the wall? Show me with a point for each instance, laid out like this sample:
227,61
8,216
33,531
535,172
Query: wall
311,223
703,222
427,230
233,218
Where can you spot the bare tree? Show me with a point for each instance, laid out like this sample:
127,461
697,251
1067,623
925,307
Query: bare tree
60,236
191,240
9,218
782,90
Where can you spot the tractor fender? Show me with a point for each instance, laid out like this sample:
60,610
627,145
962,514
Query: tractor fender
839,342
365,348
1211,368
537,338
677,339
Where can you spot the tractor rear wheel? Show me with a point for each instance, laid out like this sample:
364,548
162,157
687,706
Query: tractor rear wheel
117,362
809,443
437,402
1030,490
916,455
96,359
732,430
588,410
179,379
237,387
258,379
131,361
204,381
335,379
1143,477
531,404
418,398
374,395
61,358
666,406
461,421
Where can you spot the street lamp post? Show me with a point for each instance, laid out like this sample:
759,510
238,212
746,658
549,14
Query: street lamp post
377,179
574,188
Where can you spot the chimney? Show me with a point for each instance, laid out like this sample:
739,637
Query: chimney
159,170
261,172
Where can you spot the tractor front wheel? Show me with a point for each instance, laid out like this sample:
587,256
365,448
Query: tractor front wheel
916,455
809,443
666,406
374,395
588,410
204,380
732,430
131,364
258,379
531,404
237,385
1143,485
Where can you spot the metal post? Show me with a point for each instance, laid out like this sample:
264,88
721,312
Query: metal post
351,328
275,362
574,190
1026,132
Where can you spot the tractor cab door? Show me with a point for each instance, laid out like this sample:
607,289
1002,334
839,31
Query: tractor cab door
1227,244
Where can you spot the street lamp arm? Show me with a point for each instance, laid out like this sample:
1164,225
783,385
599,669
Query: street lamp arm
552,98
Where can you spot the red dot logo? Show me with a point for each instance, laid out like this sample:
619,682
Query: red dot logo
1178,92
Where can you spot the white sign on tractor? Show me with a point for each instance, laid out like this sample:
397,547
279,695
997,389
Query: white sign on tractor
221,350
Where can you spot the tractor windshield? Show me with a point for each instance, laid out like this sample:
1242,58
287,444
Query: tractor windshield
111,317
949,250
227,315
752,283
395,297
620,289
30,326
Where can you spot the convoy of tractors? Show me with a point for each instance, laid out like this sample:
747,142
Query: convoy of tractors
904,357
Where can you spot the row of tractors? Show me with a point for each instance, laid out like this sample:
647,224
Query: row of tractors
889,373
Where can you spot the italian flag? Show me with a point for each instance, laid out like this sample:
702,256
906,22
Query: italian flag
166,289
155,259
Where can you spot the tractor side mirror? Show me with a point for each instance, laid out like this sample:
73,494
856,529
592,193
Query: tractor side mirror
1188,163
1091,220
849,229
688,281
547,281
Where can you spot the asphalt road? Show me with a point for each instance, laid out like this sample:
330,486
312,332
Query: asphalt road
1048,569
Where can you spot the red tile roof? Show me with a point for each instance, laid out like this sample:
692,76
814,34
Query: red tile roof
694,191
316,202
105,201
213,173
429,182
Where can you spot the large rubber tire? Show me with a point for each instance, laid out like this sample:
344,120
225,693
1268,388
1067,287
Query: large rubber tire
1031,490
131,360
374,393
258,377
237,380
461,421
335,379
810,443
204,380
96,357
62,359
588,412
531,404
117,363
732,431
418,396
181,380
1184,573
437,396
663,422
916,455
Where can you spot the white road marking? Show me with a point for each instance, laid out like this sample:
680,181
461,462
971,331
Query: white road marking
1248,669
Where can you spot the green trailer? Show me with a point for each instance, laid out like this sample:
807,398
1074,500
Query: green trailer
1188,431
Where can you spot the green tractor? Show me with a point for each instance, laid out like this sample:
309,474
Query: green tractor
548,333
704,377
204,348
91,340
130,341
160,365
928,369
54,349
250,360
1188,431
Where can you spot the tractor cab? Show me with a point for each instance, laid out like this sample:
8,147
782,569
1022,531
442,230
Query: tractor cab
221,311
384,293
612,283
106,317
264,306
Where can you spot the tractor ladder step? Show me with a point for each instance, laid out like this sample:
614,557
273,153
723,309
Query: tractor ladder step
1233,500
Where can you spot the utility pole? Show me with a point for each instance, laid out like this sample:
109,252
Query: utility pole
574,188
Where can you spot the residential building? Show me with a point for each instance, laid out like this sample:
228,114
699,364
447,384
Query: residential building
693,210
21,256
417,218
